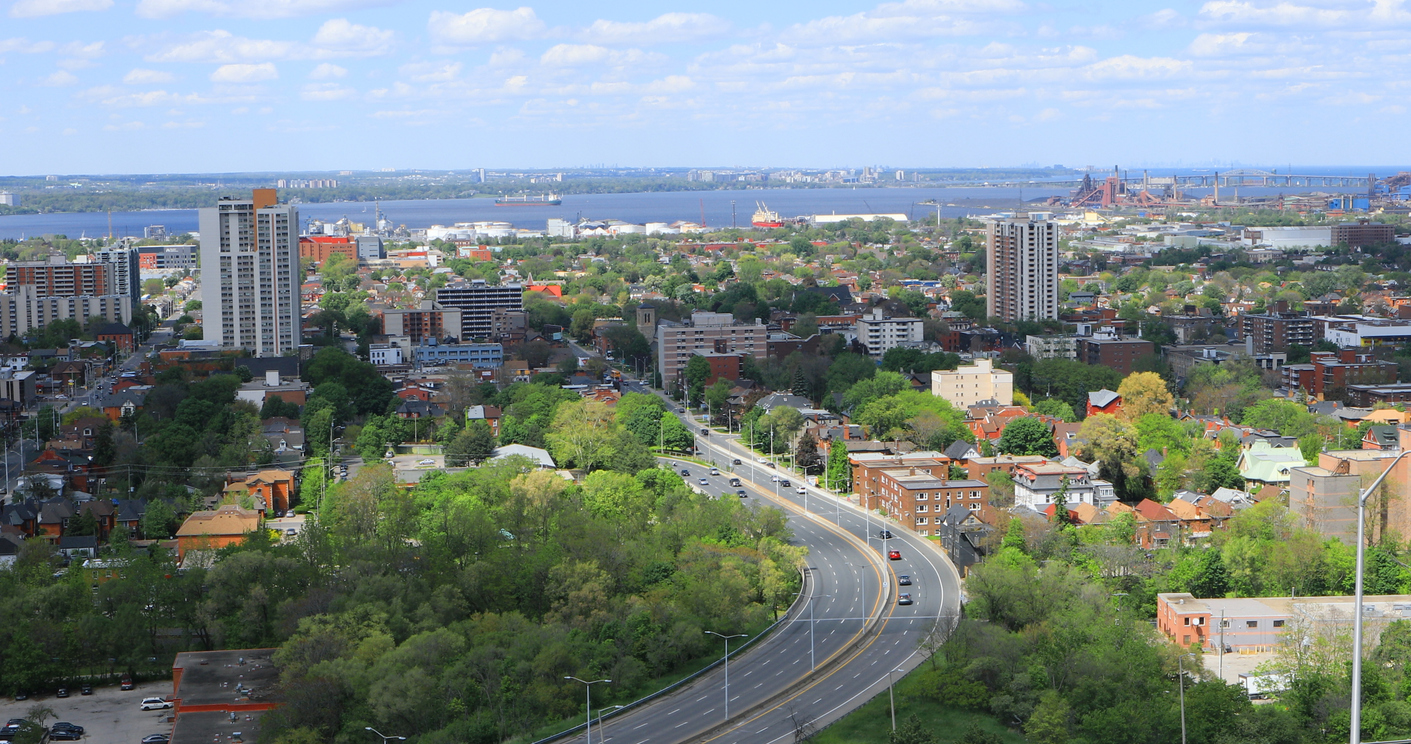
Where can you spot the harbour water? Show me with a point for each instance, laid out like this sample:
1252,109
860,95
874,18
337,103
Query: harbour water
717,208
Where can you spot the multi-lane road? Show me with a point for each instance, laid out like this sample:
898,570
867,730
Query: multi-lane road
858,637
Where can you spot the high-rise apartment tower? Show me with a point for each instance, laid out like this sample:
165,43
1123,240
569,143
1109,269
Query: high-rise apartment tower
1022,267
250,274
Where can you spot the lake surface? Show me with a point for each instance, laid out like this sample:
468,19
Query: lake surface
717,208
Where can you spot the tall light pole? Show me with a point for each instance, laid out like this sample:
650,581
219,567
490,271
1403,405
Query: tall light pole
385,737
601,711
1356,733
727,667
891,697
588,687
1181,680
812,661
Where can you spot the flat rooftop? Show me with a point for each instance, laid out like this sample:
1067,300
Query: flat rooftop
216,726
215,677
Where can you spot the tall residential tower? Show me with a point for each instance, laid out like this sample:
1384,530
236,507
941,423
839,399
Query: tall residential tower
1022,267
250,274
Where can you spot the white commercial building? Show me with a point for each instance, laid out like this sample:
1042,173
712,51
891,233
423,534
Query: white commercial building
1052,347
879,332
385,355
250,275
975,384
1021,282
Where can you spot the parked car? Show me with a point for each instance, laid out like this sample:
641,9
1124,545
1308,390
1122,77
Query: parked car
904,599
894,555
903,580
68,726
155,703
86,690
126,683
156,739
64,735
63,692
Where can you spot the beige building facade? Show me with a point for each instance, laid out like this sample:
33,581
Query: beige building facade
971,385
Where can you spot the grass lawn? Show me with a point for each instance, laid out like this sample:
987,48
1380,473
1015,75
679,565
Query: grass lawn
873,722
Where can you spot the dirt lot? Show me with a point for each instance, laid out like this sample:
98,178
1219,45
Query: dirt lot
108,716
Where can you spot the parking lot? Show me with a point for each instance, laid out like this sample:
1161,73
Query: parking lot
108,716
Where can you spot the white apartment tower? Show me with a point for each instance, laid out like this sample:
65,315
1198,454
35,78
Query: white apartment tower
250,274
1022,278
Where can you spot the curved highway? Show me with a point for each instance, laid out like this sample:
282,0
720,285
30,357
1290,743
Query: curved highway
859,633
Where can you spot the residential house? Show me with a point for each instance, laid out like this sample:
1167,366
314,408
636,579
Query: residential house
274,488
1381,438
1104,401
212,530
1037,485
962,534
125,403
78,546
1156,526
1266,464
489,414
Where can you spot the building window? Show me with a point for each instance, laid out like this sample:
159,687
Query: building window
1278,623
1251,623
1185,621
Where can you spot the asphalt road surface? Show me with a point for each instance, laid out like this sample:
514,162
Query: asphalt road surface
851,581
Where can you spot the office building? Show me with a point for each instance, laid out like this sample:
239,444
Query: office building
56,277
480,356
477,302
127,270
974,384
880,332
428,322
250,274
1022,278
1052,347
370,248
1362,233
167,257
706,333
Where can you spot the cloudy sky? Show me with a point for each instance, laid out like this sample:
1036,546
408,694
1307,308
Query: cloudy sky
143,86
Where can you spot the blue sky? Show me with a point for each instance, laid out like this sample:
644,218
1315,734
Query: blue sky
152,86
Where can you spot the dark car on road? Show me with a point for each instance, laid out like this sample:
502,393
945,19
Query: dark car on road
736,461
903,580
156,739
741,493
63,692
904,599
785,484
685,473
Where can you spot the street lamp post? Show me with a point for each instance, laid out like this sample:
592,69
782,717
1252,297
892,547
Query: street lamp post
385,737
601,711
588,687
891,697
1181,681
726,638
812,661
1356,733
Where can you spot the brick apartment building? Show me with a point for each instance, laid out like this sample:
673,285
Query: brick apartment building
919,497
1120,354
1278,329
1332,372
1362,233
429,321
318,248
868,466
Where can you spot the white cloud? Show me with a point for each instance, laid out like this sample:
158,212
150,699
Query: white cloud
335,39
183,125
1311,15
1129,67
261,9
59,79
37,8
578,55
670,28
129,126
327,92
140,76
431,72
338,34
484,25
910,19
25,46
245,73
1219,45
327,71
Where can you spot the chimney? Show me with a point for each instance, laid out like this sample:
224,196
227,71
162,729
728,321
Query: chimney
271,378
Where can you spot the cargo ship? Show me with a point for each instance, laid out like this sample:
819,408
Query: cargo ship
763,217
526,200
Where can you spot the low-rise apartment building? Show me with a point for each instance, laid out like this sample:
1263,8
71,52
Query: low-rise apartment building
880,332
973,384
1258,624
867,468
919,500
1331,373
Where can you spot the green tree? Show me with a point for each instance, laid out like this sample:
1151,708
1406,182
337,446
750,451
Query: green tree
472,446
1049,722
159,521
911,731
675,435
1027,436
1055,408
695,374
839,476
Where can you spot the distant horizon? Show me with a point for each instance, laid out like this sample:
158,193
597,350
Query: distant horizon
1334,169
